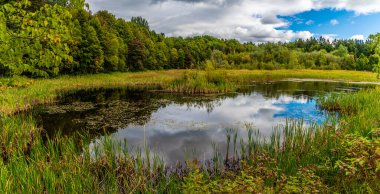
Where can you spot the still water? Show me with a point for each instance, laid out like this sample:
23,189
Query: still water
180,127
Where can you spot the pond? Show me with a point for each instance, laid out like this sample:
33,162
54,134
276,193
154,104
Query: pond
180,127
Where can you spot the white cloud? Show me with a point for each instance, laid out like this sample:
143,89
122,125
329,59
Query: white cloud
330,37
245,20
358,6
309,22
334,22
357,37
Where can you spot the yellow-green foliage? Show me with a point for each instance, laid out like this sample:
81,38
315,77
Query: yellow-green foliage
41,38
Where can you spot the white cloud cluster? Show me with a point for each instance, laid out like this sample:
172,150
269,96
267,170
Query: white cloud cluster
330,37
245,20
334,22
358,37
309,22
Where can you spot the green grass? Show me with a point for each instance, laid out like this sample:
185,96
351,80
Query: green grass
341,158
203,83
359,112
30,164
21,94
297,159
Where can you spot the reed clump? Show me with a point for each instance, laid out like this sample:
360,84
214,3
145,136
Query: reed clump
340,156
202,82
30,163
295,159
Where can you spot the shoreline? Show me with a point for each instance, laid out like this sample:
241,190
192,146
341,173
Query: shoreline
45,91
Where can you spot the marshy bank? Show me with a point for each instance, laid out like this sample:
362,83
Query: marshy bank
181,127
315,155
20,94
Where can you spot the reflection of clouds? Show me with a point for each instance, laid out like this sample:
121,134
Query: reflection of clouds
232,112
175,125
174,146
229,112
288,99
177,128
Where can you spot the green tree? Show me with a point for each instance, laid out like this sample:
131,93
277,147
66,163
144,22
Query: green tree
136,55
76,4
181,59
123,55
4,46
111,47
162,55
37,40
374,60
293,61
363,63
90,55
349,62
217,58
85,45
375,43
342,51
174,58
140,21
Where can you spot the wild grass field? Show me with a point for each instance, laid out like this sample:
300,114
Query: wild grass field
340,156
20,94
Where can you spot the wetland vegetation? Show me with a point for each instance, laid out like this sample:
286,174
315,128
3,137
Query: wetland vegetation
295,157
86,98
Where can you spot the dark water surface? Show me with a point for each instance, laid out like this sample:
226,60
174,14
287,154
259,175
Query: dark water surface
180,127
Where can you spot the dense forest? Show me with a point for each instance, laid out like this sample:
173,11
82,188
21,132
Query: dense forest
46,38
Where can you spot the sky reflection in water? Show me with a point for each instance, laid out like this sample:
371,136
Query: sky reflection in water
180,127
176,130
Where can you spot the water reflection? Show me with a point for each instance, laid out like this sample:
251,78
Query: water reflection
180,127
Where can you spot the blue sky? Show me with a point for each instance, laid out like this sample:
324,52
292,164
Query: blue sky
334,23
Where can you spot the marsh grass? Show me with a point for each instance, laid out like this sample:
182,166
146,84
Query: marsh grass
202,83
297,158
66,165
292,160
341,155
292,145
359,112
20,94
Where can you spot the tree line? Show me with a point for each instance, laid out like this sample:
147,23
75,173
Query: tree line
47,38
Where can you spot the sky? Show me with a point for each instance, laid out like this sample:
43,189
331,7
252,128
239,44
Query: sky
253,20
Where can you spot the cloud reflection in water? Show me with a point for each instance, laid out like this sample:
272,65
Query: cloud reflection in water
175,129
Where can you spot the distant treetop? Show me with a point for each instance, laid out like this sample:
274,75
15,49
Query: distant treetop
140,21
